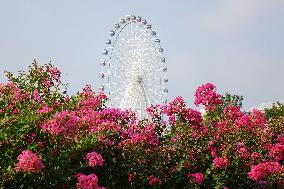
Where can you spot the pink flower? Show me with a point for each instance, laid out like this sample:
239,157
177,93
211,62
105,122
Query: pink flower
206,95
254,119
153,180
213,153
220,162
175,107
277,152
255,156
257,118
36,95
243,152
130,177
54,73
173,139
198,177
44,109
29,162
232,112
193,116
88,181
47,83
243,121
64,123
262,169
41,145
172,119
95,159
154,111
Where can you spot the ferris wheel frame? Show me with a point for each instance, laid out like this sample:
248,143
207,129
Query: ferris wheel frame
133,69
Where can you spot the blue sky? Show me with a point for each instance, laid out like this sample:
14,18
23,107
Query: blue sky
235,44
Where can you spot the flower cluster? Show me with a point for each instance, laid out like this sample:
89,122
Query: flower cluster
252,121
94,159
29,162
197,177
263,169
154,181
221,162
277,152
88,181
63,123
206,95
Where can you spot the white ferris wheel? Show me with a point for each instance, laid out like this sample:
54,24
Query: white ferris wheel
133,69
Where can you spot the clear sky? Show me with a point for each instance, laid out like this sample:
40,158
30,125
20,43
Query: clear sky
238,45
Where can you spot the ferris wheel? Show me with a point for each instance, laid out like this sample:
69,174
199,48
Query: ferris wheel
133,70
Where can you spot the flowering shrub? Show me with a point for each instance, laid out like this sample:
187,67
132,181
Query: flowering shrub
51,140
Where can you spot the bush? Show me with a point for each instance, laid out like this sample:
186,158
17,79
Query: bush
48,140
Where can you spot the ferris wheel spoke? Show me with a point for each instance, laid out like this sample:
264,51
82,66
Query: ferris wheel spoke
147,98
122,63
136,102
143,32
152,73
155,86
154,98
157,99
156,93
118,83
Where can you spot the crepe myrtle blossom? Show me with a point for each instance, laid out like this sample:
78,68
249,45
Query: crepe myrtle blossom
63,123
88,181
174,107
130,177
95,159
154,181
197,177
44,109
206,95
277,152
221,162
36,95
261,170
29,162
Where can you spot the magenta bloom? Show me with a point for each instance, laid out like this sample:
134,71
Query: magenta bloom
197,177
277,152
262,169
130,177
29,162
44,109
88,181
153,180
221,162
206,95
36,95
95,159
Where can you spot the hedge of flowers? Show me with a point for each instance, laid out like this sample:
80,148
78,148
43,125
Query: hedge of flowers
48,140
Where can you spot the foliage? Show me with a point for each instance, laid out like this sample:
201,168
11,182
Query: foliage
276,111
48,140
